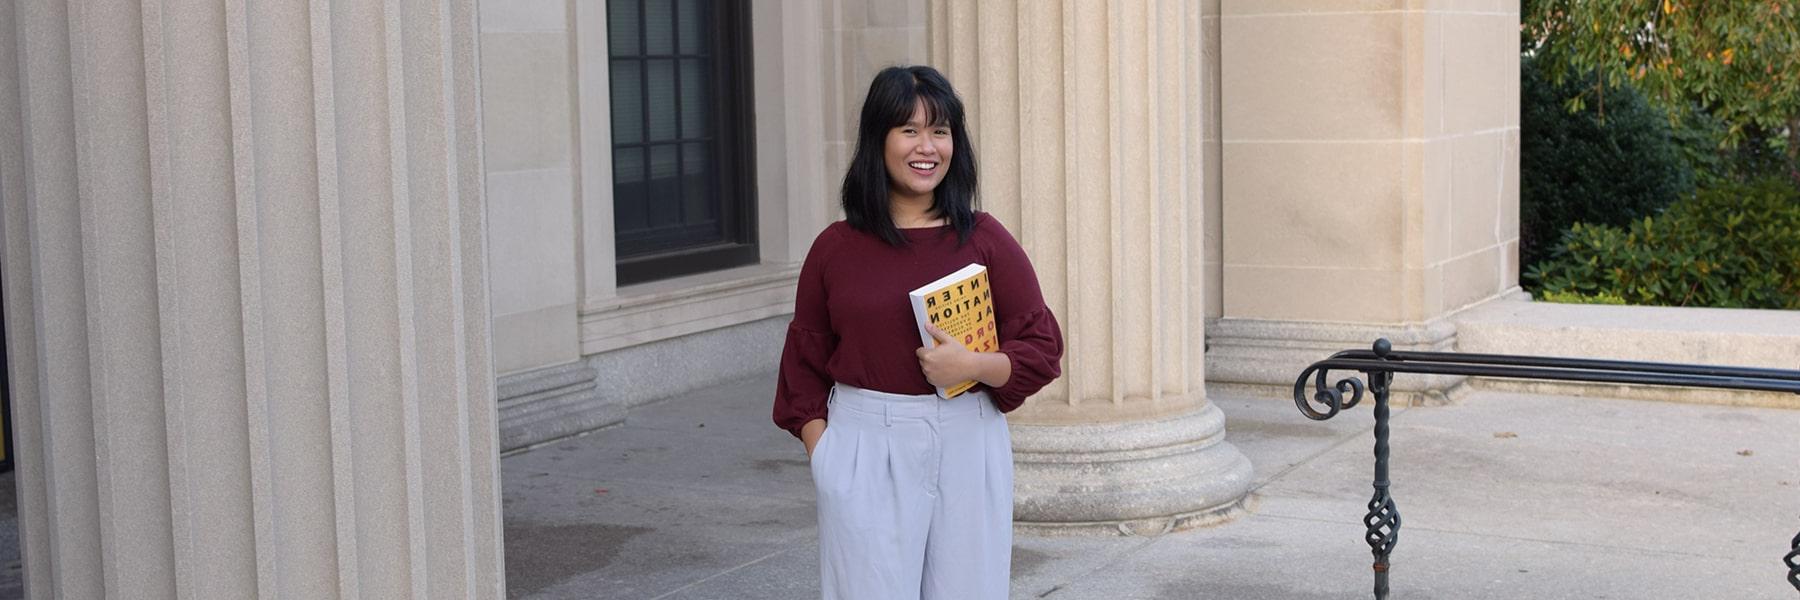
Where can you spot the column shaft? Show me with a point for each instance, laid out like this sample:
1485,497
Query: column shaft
1086,116
245,299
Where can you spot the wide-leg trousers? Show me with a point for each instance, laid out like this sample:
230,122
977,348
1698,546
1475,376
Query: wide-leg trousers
914,497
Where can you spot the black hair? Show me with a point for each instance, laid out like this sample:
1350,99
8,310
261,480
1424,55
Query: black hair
892,96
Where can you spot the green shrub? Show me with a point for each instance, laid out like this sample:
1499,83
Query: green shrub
1737,245
1610,163
1564,297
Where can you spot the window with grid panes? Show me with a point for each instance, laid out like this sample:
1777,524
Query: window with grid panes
683,188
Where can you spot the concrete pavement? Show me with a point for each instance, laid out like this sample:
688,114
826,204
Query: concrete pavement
1503,496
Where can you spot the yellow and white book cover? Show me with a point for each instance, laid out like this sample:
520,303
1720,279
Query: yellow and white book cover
962,305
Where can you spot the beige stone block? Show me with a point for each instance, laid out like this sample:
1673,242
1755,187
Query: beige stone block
1431,300
1215,289
1509,264
1508,70
1431,100
1473,278
918,47
1437,175
1209,8
1509,187
1213,244
848,69
1412,74
886,47
852,14
1477,166
1312,204
516,16
895,13
531,240
1313,294
1466,6
1330,77
535,339
525,100
1412,204
1714,336
1291,7
1481,72
1209,78
837,157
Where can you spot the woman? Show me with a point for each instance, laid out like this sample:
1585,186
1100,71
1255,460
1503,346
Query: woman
914,492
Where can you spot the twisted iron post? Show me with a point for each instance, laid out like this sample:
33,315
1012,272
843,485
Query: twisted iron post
1793,563
1383,519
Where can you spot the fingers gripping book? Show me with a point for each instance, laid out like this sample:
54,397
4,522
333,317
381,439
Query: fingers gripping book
961,305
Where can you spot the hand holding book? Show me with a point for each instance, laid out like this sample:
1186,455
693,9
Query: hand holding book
959,308
948,362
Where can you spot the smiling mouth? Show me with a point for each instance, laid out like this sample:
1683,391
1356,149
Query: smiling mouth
923,167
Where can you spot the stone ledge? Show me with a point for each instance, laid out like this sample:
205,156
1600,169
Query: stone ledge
1261,358
1715,336
665,310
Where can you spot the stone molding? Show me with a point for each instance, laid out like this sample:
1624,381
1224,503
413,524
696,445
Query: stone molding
1262,358
670,309
552,403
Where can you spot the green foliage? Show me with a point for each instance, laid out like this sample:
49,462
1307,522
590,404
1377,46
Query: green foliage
1581,167
1735,246
1698,134
1739,60
1578,298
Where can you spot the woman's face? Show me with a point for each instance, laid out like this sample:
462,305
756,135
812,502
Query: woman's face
917,155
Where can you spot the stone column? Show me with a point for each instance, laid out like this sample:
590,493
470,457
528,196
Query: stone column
245,299
1086,118
1370,166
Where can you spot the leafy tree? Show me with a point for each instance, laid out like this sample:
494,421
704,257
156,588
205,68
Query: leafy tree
1735,60
1576,169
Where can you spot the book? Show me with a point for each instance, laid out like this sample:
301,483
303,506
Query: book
962,305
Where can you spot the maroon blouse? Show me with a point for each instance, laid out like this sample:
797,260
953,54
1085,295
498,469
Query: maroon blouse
853,323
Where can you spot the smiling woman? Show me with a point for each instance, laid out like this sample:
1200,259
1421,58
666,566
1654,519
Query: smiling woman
911,116
858,388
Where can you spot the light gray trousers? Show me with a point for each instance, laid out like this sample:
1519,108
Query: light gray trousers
914,497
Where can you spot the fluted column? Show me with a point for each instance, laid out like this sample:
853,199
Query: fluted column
245,304
1086,116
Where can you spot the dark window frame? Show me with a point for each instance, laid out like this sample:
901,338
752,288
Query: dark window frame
651,256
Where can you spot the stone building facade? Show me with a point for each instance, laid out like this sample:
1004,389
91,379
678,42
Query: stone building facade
283,279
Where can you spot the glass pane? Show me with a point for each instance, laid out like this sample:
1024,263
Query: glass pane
695,16
622,27
664,201
696,98
659,26
627,102
662,99
628,189
698,202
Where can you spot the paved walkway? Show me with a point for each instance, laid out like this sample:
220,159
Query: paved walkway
1504,496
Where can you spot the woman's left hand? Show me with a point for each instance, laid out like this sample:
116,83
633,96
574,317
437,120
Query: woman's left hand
947,362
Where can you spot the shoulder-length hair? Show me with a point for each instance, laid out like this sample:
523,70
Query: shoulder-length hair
892,96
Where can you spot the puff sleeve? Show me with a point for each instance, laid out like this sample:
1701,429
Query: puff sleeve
803,380
1029,334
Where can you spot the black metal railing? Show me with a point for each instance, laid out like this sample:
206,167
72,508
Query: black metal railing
1380,364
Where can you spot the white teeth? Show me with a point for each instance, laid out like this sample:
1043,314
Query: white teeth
923,166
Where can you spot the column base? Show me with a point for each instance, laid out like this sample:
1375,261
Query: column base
554,402
1131,478
1261,358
